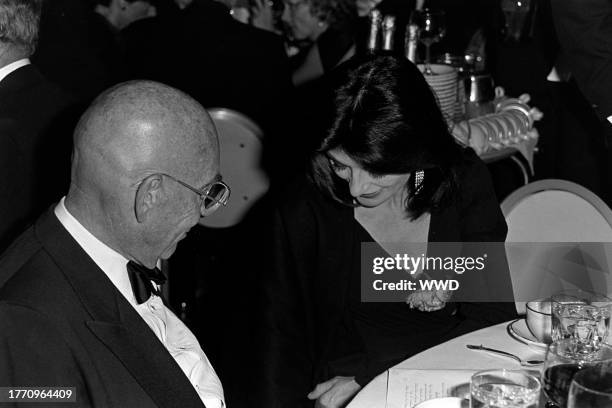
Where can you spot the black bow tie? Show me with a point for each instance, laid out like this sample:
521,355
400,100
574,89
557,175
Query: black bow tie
141,277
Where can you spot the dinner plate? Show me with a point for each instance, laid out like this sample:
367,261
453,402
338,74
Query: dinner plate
520,332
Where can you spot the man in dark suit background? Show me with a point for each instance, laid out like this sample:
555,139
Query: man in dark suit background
144,170
249,65
584,30
224,63
32,146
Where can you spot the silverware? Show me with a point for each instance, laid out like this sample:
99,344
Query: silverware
524,363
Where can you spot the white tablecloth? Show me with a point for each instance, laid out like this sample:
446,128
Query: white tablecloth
454,355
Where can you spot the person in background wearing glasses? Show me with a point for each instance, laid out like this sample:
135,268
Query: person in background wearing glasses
144,171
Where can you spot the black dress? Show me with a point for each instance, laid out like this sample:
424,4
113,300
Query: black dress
316,327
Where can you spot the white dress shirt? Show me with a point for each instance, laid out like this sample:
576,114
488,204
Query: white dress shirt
169,329
13,66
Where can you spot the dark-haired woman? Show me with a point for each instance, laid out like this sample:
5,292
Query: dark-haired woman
388,171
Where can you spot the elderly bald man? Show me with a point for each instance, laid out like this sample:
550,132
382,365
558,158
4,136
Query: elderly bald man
144,170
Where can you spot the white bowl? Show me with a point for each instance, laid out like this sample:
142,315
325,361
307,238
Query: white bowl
539,319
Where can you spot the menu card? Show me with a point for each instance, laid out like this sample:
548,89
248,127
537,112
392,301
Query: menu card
408,387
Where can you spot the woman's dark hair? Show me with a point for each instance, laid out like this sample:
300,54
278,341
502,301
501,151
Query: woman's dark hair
388,121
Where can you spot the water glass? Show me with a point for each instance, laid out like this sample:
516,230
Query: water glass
581,316
504,388
592,387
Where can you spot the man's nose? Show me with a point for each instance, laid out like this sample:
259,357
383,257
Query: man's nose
359,183
285,16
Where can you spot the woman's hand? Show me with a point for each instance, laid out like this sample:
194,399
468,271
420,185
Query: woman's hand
262,15
334,393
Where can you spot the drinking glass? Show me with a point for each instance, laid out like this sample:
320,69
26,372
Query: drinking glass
592,387
432,28
582,316
561,364
504,388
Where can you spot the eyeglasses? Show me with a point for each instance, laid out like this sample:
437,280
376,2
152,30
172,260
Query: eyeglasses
211,196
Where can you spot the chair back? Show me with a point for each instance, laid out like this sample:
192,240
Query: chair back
557,211
240,144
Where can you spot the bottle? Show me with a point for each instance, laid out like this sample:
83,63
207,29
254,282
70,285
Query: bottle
412,34
375,19
388,29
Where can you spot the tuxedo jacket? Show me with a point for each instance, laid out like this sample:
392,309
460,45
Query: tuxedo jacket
306,285
35,149
63,323
584,29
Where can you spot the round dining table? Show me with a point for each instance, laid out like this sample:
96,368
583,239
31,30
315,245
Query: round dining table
454,355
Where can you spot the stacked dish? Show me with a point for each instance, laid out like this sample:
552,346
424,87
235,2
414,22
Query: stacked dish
444,85
510,125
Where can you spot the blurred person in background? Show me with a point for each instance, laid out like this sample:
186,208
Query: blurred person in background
127,31
323,31
584,29
249,66
34,150
122,13
77,49
84,45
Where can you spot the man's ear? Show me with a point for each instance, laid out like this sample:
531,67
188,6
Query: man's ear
148,196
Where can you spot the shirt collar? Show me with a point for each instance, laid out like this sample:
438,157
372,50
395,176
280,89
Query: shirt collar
112,263
13,66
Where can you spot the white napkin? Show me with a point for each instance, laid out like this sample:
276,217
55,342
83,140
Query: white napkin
185,349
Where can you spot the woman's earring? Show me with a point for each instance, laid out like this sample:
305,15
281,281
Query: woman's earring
419,176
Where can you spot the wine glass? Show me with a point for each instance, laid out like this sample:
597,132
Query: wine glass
432,28
591,387
561,364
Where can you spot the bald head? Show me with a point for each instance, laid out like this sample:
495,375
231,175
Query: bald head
141,126
135,132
